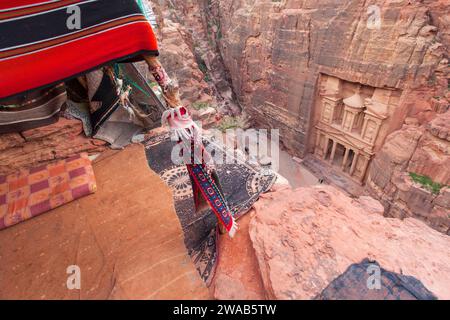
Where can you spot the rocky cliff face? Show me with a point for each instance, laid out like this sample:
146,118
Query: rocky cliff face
274,52
421,150
301,238
177,55
190,53
46,144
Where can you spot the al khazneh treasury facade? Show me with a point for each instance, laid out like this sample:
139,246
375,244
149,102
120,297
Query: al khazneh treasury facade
351,124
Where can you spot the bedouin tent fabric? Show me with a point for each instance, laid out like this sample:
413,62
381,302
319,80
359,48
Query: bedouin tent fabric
113,118
34,109
241,182
39,46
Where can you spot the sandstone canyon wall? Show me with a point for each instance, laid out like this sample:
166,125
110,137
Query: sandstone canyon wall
177,55
276,50
422,150
186,31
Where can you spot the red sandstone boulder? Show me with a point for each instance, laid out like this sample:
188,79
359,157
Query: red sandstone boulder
45,144
305,238
237,275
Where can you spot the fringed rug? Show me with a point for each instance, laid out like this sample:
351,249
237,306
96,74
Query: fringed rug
242,184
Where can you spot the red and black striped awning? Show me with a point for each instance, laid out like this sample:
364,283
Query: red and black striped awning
39,49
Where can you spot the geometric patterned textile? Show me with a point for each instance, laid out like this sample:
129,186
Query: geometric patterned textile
31,192
242,184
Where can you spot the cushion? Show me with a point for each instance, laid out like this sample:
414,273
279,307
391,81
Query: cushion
31,192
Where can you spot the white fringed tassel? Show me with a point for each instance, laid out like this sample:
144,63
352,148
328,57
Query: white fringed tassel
124,99
130,111
187,131
234,228
171,113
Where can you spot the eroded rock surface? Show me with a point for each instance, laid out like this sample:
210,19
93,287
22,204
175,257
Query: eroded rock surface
276,50
45,144
194,45
423,150
306,238
237,275
179,56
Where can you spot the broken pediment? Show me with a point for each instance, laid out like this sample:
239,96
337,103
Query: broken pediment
376,109
358,120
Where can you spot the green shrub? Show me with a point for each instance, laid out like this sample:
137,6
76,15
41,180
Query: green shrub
200,105
229,122
426,182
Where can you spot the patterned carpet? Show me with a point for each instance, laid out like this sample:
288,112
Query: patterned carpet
355,282
242,184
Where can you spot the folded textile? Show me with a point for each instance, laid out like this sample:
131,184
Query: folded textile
353,284
241,183
118,129
31,192
43,43
207,185
146,104
34,109
111,118
79,111
103,97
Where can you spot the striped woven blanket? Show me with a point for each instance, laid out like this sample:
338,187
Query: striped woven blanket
47,42
34,109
